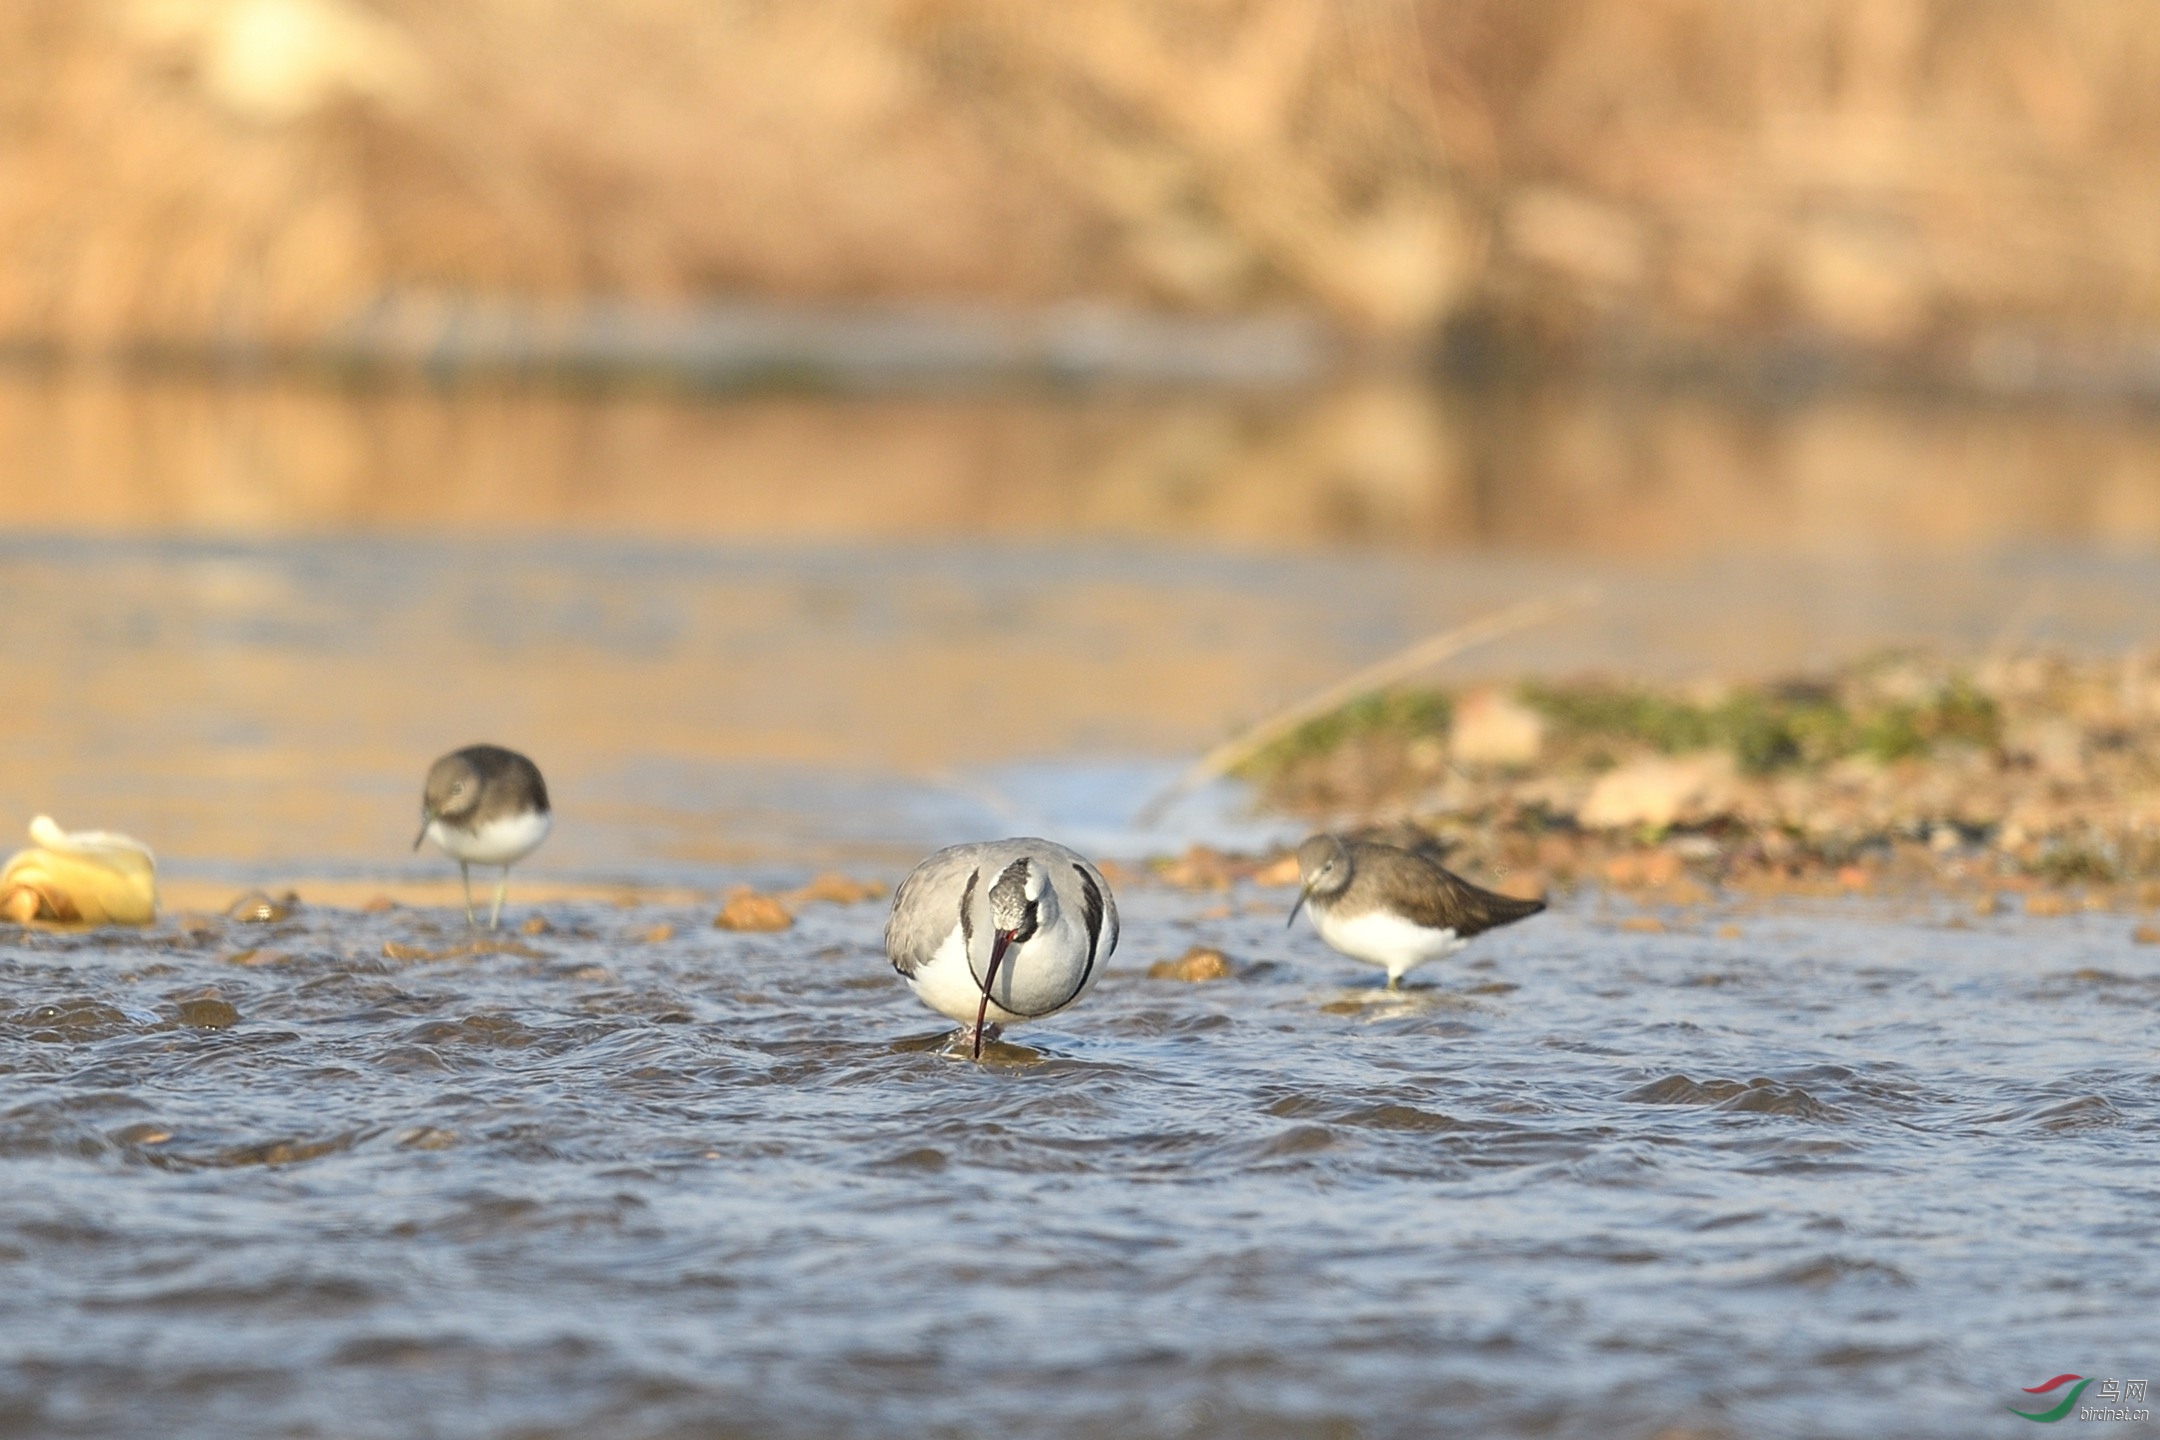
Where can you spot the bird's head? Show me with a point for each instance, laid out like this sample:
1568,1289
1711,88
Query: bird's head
1323,864
1020,902
452,793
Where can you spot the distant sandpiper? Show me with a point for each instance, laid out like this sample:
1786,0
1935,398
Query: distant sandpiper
995,933
485,805
1392,907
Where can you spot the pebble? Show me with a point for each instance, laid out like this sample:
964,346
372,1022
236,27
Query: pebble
2146,935
1657,792
258,907
1492,727
837,889
1200,868
748,910
1197,964
208,1014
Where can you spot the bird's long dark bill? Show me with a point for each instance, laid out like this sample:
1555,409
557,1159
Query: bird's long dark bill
1302,896
999,943
425,821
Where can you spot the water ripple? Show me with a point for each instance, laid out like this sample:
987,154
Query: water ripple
327,1175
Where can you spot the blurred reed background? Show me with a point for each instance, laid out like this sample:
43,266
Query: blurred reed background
1804,327
1957,189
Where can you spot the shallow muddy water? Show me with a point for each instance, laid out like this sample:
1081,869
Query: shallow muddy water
1843,1172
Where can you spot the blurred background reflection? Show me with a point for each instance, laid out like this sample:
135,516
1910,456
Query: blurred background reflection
813,430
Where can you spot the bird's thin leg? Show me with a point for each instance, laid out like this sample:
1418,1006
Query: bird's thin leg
465,870
501,885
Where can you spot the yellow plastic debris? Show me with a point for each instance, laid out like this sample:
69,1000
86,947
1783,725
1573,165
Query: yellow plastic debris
89,877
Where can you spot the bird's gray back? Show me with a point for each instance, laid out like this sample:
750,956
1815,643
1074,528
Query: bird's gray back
927,905
932,898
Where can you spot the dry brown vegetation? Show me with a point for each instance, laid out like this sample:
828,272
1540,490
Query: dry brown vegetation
1930,178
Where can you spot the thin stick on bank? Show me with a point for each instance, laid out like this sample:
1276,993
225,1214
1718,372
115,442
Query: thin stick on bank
1400,666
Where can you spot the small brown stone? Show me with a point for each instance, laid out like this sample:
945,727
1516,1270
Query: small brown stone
1852,877
1643,925
657,934
836,889
1198,963
2145,935
392,950
1989,903
749,910
208,1013
1200,868
380,905
1729,932
258,907
2048,903
537,925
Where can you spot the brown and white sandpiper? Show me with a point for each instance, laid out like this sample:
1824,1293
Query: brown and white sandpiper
485,805
1393,907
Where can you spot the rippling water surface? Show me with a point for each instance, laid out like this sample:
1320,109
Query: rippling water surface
1830,1169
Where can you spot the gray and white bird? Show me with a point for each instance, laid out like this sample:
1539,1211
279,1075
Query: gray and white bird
1393,907
1001,931
485,805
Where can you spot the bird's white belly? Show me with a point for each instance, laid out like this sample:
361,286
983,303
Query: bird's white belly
1380,938
1035,979
498,842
